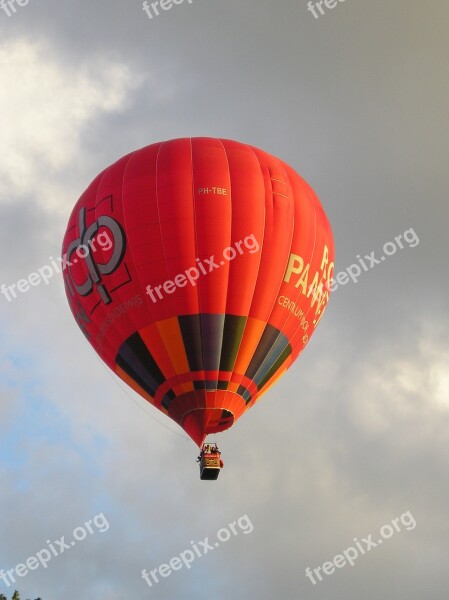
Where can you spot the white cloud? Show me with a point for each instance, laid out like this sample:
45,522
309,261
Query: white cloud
44,110
410,387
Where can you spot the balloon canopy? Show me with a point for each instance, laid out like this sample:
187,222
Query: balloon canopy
198,269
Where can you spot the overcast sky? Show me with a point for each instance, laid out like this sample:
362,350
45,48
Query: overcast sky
356,434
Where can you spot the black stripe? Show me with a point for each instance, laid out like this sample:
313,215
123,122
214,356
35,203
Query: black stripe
191,335
135,359
212,338
234,327
270,368
267,351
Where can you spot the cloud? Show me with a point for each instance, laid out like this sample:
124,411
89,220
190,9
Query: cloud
402,383
45,110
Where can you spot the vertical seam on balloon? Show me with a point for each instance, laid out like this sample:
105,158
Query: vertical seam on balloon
314,199
314,203
159,218
195,229
159,215
148,197
229,271
131,313
142,286
251,149
280,286
151,317
299,293
176,302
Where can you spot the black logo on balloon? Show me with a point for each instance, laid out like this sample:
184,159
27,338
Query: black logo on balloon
86,248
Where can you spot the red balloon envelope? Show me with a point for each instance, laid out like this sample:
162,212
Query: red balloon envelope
198,269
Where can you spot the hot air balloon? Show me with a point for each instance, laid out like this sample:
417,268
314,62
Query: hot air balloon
198,269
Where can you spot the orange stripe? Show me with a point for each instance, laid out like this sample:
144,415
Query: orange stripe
154,343
170,333
251,337
233,386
